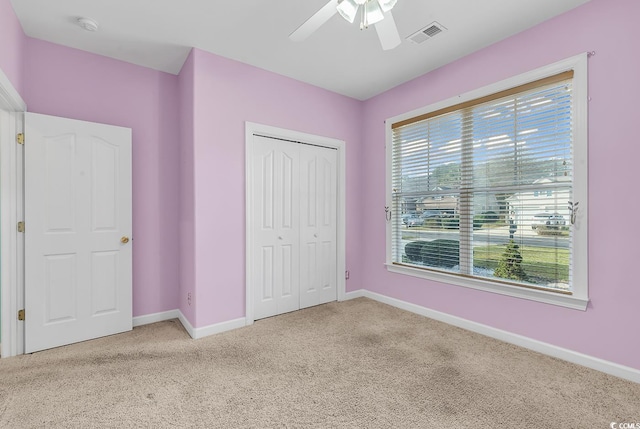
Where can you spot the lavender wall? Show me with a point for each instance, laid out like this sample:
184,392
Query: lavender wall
66,82
188,158
228,93
609,327
11,45
187,225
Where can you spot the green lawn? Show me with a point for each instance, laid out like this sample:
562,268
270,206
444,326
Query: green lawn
542,264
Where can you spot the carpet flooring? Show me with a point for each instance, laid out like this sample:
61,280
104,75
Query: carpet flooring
354,364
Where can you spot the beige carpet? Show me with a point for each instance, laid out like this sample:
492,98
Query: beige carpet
357,364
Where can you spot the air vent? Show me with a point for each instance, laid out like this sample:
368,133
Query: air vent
427,32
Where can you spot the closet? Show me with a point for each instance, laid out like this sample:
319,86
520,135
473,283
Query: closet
293,218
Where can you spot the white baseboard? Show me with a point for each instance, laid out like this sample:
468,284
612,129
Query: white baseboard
354,294
195,333
216,328
598,364
155,317
187,325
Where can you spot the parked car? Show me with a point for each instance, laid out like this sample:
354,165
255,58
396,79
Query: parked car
406,216
548,220
412,220
431,214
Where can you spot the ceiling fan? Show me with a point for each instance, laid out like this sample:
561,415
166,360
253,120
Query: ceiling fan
372,12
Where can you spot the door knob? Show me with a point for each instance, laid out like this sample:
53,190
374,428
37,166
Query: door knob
124,240
280,238
315,235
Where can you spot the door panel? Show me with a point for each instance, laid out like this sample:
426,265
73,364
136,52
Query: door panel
288,283
78,274
266,188
275,226
60,188
60,288
105,157
309,191
287,199
319,231
104,282
266,275
309,275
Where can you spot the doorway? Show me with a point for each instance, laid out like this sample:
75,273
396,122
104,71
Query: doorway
295,214
12,226
12,109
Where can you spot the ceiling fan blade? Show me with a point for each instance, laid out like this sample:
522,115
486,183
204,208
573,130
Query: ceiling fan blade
315,22
388,32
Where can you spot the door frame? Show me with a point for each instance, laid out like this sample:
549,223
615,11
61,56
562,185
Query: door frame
252,128
12,108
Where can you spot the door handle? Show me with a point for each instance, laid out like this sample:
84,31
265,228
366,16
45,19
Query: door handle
124,240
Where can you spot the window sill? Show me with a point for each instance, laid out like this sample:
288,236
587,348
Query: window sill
569,301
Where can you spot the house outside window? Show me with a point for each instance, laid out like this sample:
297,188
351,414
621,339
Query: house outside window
493,177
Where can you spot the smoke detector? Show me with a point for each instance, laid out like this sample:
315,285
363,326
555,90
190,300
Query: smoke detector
87,24
427,32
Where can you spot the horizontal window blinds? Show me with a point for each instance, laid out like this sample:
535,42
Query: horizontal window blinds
483,188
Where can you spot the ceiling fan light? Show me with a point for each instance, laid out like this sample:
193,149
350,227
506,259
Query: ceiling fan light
387,5
348,9
373,12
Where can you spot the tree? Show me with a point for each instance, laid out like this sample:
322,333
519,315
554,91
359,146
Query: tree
447,175
510,265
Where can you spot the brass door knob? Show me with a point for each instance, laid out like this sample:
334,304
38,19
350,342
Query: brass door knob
124,240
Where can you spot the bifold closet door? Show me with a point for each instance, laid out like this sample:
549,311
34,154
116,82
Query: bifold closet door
276,226
293,224
318,232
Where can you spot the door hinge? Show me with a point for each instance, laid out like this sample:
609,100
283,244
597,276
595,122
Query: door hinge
20,138
20,226
21,314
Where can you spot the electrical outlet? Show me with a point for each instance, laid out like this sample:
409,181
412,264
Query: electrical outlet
346,275
189,298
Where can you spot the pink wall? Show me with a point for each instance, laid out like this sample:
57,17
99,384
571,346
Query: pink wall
11,45
228,93
188,157
609,327
66,82
187,190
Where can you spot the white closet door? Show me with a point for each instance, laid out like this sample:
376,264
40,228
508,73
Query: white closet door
275,226
78,220
318,229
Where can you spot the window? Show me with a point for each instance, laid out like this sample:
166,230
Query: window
490,177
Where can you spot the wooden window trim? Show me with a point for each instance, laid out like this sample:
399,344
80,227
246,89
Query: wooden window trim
501,94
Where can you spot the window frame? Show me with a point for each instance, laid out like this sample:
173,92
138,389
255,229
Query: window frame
579,297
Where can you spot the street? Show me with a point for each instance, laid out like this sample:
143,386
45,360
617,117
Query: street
484,237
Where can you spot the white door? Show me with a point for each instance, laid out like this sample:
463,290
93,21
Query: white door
78,249
318,218
293,224
276,226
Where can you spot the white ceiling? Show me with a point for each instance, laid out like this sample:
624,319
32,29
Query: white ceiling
339,57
